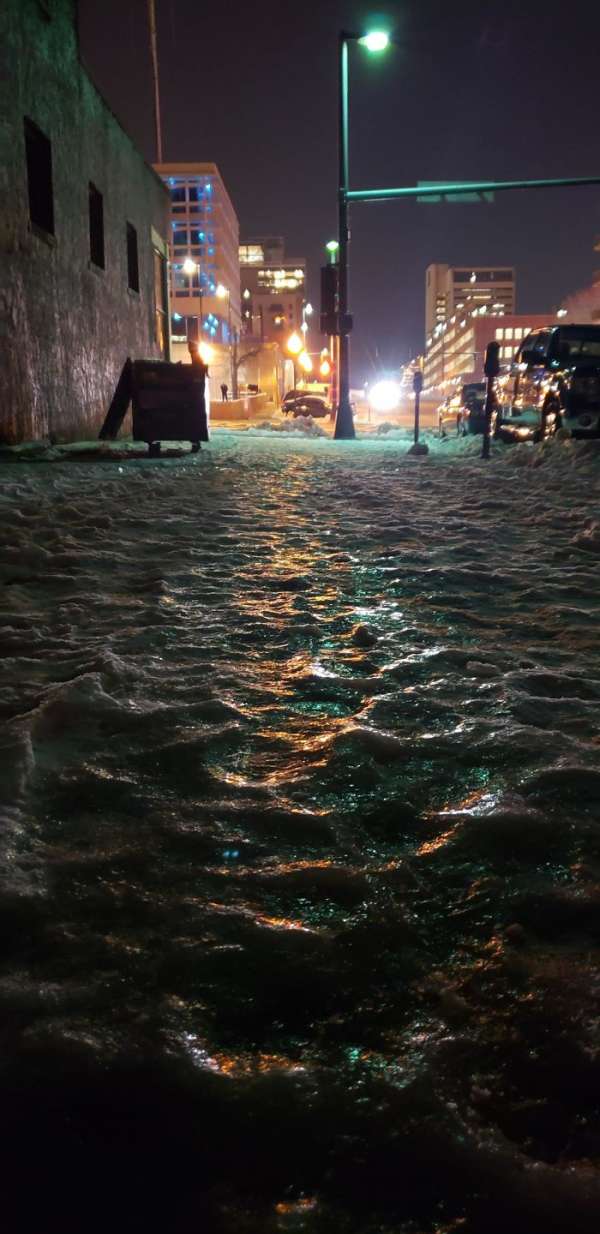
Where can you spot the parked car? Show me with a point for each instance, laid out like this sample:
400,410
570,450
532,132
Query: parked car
305,405
289,399
554,383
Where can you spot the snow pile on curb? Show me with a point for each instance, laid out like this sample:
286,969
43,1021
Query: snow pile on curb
304,425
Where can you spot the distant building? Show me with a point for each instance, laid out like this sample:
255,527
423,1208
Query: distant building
583,306
204,230
83,227
454,289
273,289
456,353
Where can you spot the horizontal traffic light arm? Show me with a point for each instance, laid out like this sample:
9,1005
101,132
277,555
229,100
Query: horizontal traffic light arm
469,186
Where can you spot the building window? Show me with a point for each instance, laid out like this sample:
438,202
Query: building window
180,238
178,194
133,269
38,156
96,219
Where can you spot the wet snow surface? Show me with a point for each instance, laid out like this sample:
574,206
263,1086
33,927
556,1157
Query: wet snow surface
301,846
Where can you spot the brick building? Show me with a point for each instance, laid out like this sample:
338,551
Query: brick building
83,227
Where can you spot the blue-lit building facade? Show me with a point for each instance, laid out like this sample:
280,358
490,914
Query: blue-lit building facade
203,255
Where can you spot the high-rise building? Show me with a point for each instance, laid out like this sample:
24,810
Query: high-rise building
455,289
204,233
273,289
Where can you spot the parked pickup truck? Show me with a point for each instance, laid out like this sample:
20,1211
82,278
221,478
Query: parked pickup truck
554,383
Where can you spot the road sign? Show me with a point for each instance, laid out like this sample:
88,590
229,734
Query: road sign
463,198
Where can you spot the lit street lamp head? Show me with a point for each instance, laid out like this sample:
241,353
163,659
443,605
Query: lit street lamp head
189,266
221,292
295,344
376,40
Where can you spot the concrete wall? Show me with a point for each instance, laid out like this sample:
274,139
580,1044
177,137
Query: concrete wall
66,326
239,409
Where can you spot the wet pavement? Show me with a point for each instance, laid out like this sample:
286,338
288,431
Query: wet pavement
301,843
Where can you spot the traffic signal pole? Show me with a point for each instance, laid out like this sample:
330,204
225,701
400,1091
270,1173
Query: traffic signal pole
344,421
469,186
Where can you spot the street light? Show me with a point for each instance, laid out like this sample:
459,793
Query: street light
206,353
294,346
191,267
305,362
375,41
223,293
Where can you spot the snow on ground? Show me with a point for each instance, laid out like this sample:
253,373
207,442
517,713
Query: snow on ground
301,843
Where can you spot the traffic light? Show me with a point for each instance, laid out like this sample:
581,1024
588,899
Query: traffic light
329,293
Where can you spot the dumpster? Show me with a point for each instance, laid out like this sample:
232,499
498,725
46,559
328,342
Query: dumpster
168,402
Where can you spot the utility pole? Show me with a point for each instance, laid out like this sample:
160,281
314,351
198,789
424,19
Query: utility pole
344,423
154,57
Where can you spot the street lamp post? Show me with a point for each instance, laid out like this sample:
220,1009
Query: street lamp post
294,346
223,292
374,42
191,267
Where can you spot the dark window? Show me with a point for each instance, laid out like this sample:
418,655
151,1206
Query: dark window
38,155
133,269
483,276
196,193
180,238
96,209
537,344
178,194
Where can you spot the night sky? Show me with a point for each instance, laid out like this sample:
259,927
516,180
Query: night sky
474,90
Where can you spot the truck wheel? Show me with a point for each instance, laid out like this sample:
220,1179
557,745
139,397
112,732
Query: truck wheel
153,449
195,447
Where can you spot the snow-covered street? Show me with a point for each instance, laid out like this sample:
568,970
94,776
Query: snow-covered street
301,841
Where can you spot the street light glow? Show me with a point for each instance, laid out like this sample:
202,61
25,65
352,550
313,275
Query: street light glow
206,353
376,40
305,362
189,266
384,396
221,292
308,309
332,246
295,344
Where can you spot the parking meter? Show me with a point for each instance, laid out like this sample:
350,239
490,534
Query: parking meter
417,387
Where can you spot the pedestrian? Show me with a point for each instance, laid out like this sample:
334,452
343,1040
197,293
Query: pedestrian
224,391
